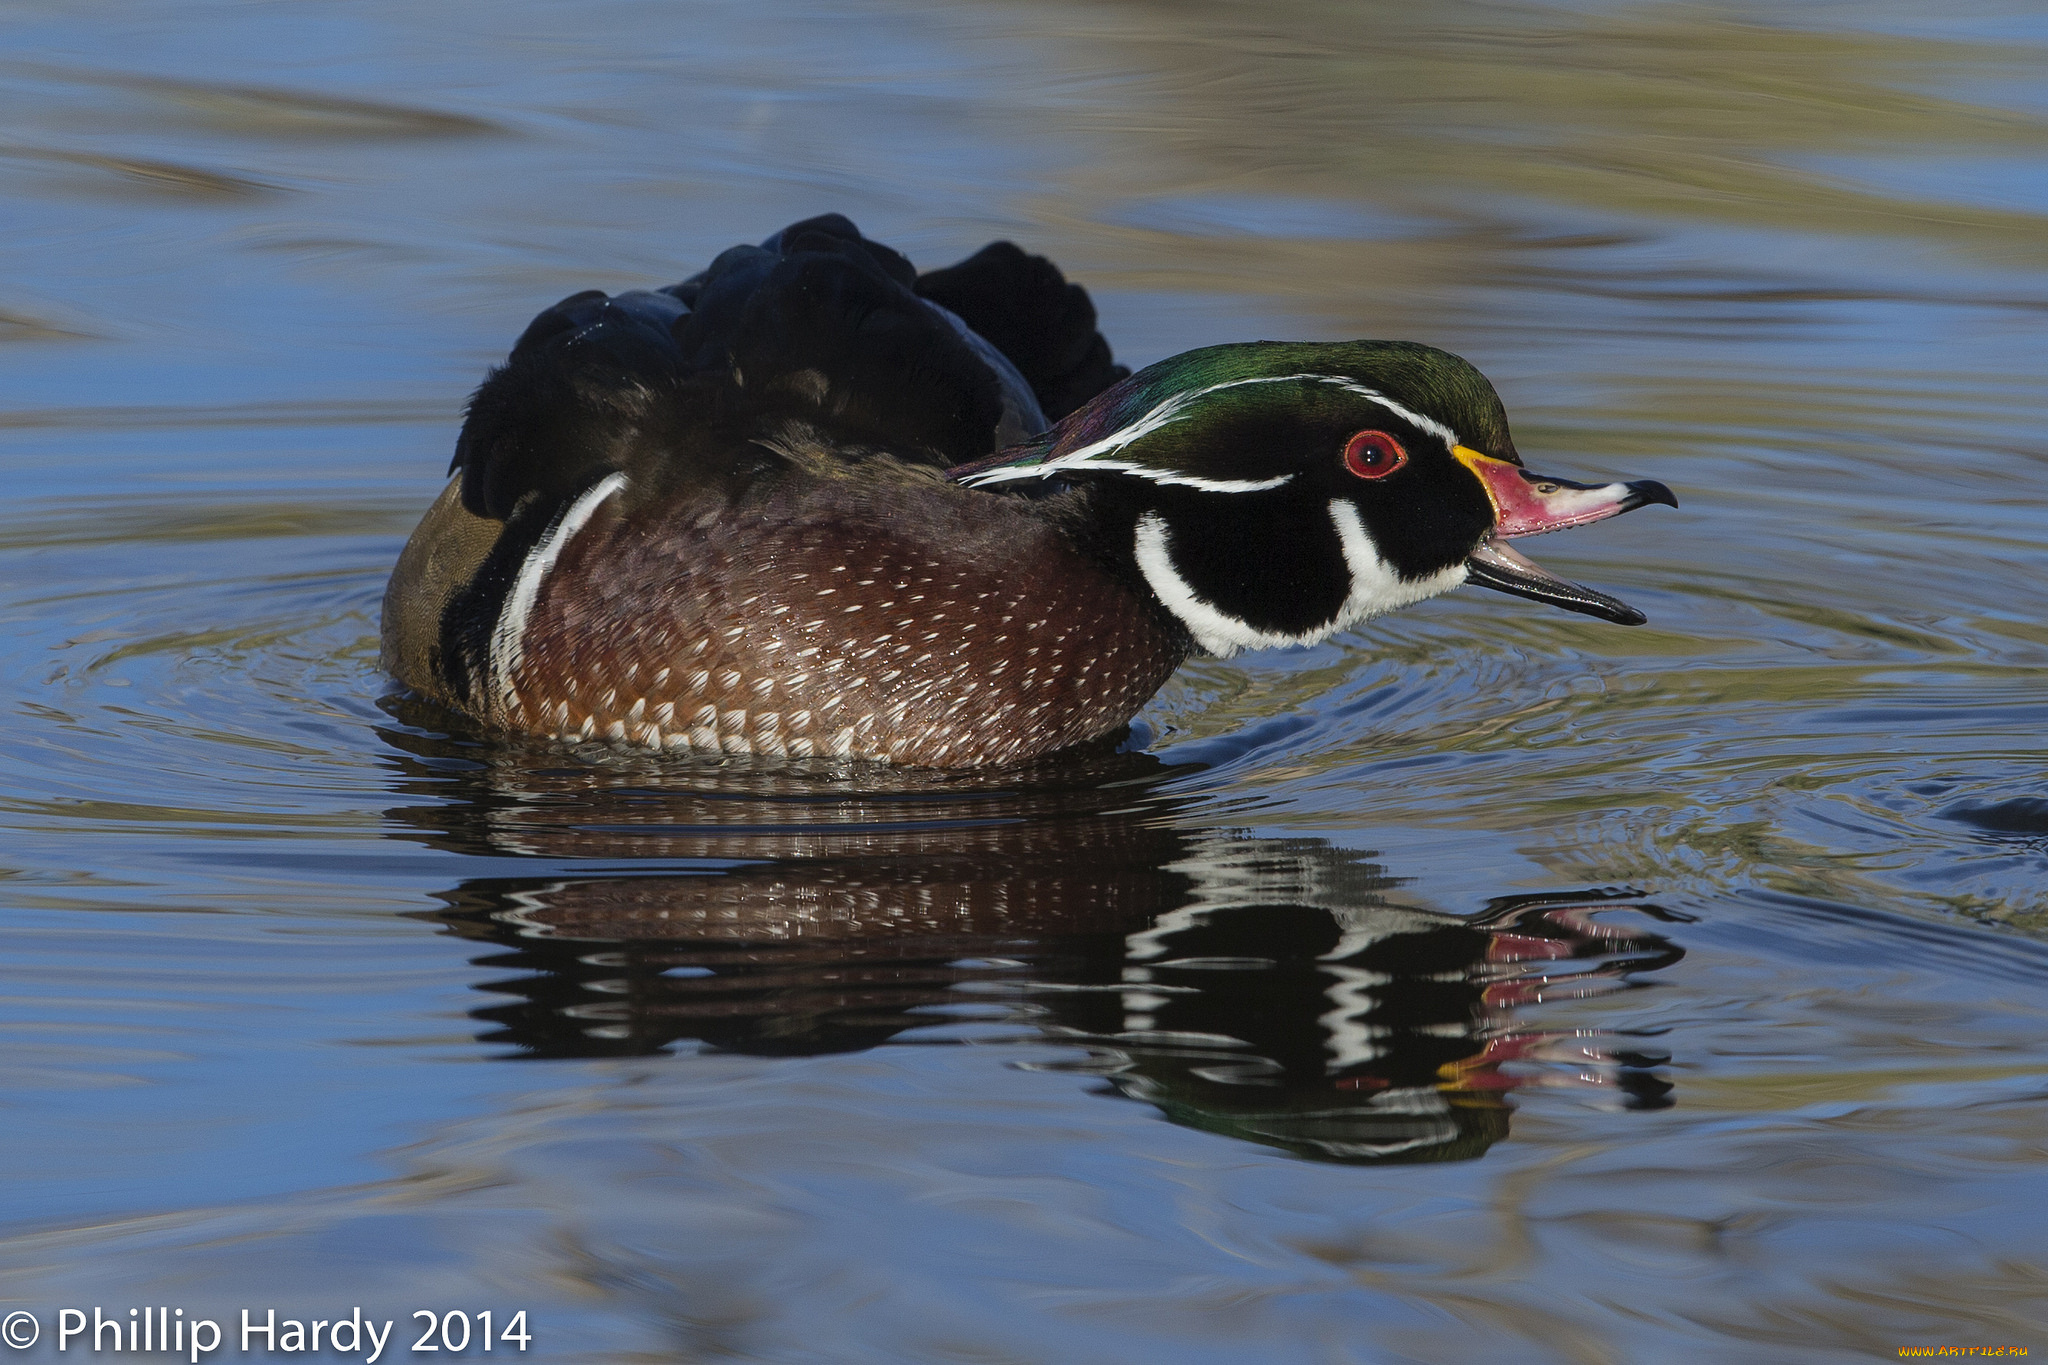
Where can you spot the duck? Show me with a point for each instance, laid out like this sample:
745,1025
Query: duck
814,503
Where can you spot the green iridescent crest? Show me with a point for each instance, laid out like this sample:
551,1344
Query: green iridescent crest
1433,389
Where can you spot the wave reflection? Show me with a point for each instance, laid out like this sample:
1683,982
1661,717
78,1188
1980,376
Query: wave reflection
1280,991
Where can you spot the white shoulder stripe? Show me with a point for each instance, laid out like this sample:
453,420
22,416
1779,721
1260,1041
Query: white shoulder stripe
508,639
1095,456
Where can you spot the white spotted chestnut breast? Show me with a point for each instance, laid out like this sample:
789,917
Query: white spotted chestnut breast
806,634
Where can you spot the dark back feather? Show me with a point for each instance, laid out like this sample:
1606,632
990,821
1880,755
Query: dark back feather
817,326
1044,324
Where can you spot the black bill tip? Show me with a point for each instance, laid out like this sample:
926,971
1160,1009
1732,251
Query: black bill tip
1643,492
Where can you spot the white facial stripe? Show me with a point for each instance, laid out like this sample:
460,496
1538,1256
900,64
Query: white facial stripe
1375,587
1408,415
1146,472
1166,412
1216,631
508,639
1095,456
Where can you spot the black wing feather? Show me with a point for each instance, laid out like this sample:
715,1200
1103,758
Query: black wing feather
591,379
817,324
1043,323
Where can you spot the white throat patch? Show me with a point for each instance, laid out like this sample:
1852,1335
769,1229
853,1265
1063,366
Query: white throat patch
1375,587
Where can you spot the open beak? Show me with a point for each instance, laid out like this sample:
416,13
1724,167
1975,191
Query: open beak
1526,504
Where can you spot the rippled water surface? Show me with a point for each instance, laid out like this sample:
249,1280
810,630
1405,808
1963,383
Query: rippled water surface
1486,983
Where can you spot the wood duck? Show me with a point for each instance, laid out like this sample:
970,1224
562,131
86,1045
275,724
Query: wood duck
810,502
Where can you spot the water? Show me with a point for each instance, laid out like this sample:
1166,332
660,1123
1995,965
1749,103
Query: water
1487,981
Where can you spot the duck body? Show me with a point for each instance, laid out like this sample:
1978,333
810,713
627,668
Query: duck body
819,616
717,519
810,503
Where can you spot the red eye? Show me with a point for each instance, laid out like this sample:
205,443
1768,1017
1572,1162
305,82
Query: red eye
1373,455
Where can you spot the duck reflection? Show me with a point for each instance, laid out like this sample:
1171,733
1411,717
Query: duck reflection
1364,1032
1277,991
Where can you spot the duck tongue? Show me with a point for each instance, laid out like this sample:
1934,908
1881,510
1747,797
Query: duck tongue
1527,504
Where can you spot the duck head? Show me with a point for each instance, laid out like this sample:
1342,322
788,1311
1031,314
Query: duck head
1272,493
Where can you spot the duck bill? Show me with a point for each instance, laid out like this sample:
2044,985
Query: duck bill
1495,565
1526,504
